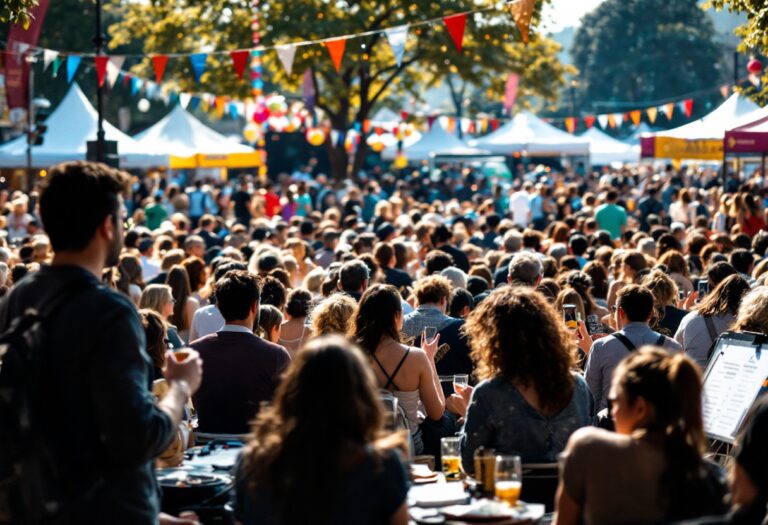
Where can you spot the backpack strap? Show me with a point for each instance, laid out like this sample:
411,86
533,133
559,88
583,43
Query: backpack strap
710,327
625,341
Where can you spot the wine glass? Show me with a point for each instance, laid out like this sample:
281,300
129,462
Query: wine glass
460,383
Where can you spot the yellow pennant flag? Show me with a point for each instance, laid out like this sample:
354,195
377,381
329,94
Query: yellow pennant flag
522,11
220,107
635,116
611,120
570,124
652,112
669,110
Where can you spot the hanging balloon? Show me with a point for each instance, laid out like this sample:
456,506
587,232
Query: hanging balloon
315,136
401,161
277,106
754,66
261,114
251,133
408,130
377,146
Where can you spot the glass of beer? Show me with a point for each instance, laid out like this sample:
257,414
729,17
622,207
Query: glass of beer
508,480
460,382
450,458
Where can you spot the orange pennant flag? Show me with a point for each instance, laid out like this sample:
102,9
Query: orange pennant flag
336,50
570,124
669,110
611,120
635,116
522,11
651,113
219,107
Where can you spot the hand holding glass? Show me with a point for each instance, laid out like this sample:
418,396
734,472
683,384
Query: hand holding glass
460,382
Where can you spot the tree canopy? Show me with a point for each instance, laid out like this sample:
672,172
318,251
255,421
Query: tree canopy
754,35
16,11
644,51
368,74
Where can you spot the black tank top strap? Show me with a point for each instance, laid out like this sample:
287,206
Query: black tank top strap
391,378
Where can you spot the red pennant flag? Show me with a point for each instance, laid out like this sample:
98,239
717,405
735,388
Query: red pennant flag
379,130
494,124
589,121
101,68
366,126
431,120
126,80
403,115
472,129
635,116
159,62
240,60
688,106
626,117
336,50
455,25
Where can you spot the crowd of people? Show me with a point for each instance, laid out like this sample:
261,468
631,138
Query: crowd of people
582,307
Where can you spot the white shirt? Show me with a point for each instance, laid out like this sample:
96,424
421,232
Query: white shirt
235,328
149,268
520,207
207,320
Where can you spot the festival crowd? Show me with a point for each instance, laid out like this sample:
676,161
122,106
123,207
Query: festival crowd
583,308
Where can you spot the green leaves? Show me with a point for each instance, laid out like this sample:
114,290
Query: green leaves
17,11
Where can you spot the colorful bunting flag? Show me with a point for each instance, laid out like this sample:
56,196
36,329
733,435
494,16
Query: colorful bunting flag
286,55
101,68
197,61
688,107
397,37
48,57
308,87
239,61
336,50
194,103
404,115
184,99
570,124
725,90
521,12
602,120
159,62
56,66
636,115
450,125
669,110
456,25
431,120
618,118
612,119
589,121
114,67
73,62
135,85
219,104
510,93
495,124
652,113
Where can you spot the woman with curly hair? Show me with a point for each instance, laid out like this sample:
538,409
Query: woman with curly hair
323,459
529,400
333,315
753,312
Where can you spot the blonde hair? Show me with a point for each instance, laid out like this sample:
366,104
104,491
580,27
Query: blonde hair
155,296
753,312
333,315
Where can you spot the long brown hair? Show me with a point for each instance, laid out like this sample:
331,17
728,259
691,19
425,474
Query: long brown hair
672,386
375,317
726,297
516,334
178,280
304,442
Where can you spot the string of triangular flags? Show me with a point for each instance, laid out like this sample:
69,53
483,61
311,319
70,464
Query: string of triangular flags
455,24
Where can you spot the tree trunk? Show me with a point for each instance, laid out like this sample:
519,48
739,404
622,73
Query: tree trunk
359,160
338,159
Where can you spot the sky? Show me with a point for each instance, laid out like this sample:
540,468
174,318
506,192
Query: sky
560,14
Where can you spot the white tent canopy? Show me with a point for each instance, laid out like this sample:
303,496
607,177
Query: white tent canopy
526,132
385,117
726,116
634,138
71,125
181,135
604,149
437,142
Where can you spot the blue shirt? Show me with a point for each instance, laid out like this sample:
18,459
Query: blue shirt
500,418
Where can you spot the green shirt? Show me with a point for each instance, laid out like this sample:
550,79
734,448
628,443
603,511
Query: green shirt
611,218
154,215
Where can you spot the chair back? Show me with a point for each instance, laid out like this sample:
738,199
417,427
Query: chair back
540,484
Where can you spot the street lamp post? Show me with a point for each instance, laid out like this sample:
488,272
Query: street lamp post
99,40
31,59
574,84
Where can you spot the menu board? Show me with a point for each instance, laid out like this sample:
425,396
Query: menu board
732,381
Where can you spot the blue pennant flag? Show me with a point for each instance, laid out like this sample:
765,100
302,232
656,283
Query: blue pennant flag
194,102
73,62
198,64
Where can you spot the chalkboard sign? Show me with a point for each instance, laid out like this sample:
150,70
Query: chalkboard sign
735,375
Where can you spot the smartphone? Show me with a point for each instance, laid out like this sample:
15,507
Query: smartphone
681,295
569,316
703,288
593,325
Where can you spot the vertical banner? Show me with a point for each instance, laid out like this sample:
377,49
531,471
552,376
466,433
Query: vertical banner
17,71
510,93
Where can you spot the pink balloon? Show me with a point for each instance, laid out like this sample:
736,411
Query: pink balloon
261,115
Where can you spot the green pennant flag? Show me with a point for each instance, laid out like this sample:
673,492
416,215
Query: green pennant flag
56,66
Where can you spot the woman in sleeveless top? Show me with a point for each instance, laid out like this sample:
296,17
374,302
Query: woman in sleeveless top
294,331
408,372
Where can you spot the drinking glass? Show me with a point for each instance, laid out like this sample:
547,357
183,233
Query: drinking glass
450,458
460,382
430,332
508,479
